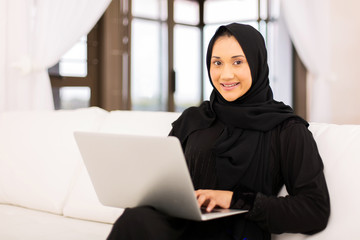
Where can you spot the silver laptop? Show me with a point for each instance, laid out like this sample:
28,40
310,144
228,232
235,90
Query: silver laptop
130,171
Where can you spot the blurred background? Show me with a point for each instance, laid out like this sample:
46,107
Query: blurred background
150,54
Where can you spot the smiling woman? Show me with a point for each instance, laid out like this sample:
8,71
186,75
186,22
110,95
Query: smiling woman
229,70
241,147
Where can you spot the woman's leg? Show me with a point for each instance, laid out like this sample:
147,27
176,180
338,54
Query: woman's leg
227,228
146,223
208,230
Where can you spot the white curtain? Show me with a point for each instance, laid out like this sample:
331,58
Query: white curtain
34,34
2,52
308,24
326,34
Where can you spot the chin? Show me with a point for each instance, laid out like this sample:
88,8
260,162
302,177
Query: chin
230,99
230,96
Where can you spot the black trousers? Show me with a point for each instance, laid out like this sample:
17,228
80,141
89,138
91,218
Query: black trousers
144,223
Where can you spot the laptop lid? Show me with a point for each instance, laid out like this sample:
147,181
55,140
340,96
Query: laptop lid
130,171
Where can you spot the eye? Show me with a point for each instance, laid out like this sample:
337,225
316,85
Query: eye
238,62
217,63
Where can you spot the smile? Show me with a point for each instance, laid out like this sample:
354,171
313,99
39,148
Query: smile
229,85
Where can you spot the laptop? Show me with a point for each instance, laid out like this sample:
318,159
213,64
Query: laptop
129,171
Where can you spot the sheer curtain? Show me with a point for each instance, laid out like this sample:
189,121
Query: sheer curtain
34,34
308,23
2,52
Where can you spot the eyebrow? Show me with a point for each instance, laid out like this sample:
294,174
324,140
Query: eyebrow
236,56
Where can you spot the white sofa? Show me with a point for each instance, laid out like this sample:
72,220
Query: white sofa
45,192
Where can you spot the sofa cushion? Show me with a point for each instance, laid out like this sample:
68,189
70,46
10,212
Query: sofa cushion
39,157
83,202
139,122
339,147
19,223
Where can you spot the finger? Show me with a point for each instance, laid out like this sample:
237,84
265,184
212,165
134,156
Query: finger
201,200
211,206
200,191
197,193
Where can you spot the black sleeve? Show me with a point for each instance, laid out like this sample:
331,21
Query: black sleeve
307,207
242,200
171,133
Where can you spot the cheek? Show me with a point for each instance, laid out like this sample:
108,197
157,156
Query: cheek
245,76
214,75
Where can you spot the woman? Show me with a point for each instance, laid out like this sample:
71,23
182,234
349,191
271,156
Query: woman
241,147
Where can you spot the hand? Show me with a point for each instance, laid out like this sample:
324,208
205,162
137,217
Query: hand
213,198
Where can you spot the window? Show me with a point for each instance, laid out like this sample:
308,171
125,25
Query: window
176,38
187,66
152,54
149,55
74,62
74,78
224,11
187,54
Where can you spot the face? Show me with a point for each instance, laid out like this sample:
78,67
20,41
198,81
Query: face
229,70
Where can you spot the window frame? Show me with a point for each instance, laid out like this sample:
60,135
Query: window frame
91,80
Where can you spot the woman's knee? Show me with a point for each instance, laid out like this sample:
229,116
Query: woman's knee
147,222
140,214
137,217
128,224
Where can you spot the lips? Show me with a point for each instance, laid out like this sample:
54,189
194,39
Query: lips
229,86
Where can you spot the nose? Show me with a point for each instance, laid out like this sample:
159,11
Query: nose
227,72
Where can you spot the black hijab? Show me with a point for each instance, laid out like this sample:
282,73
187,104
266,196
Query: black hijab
243,147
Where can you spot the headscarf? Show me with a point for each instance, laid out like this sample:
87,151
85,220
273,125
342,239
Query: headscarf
243,147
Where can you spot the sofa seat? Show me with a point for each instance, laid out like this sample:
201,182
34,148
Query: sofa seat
21,223
46,193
